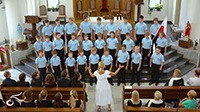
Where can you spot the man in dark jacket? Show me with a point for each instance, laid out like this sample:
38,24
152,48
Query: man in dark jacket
8,82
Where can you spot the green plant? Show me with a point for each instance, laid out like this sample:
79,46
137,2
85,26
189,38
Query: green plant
52,7
159,6
6,40
150,10
47,6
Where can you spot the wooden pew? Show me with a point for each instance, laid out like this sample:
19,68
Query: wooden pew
153,109
32,109
51,92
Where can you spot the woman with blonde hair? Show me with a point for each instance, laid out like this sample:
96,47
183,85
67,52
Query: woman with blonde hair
73,101
135,99
103,90
42,99
157,101
50,81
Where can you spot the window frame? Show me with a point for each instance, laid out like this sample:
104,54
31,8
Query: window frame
154,6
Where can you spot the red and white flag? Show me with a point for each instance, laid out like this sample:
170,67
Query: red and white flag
163,28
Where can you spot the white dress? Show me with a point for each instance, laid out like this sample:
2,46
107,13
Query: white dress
103,95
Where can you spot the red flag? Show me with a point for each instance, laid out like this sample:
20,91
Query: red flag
163,28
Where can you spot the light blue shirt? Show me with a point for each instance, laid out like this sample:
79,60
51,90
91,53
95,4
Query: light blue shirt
157,59
59,29
112,43
94,58
136,58
87,45
86,27
81,59
146,43
99,28
129,44
70,62
55,61
71,28
161,42
154,28
112,27
107,59
125,28
140,28
123,56
47,45
58,44
73,45
38,45
99,43
41,62
47,30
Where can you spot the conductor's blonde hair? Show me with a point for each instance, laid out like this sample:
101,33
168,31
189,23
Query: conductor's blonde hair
135,97
101,66
177,72
158,95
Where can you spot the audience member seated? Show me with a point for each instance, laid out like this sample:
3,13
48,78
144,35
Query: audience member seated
1,103
50,81
189,102
74,102
8,82
76,80
28,101
21,82
135,99
176,80
58,102
156,102
194,81
12,103
42,99
65,81
36,82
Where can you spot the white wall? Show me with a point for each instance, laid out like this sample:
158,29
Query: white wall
3,26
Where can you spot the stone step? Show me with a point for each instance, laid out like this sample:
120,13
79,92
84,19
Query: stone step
24,69
29,63
31,57
173,58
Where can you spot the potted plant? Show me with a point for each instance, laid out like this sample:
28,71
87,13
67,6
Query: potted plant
158,7
6,41
57,7
49,9
52,8
150,10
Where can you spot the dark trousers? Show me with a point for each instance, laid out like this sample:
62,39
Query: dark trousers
81,69
56,72
123,37
122,73
63,38
94,68
89,35
135,72
69,37
153,42
60,54
71,71
145,53
87,54
162,50
42,73
48,55
108,36
100,52
109,79
112,53
96,36
130,53
75,53
139,40
155,73
51,38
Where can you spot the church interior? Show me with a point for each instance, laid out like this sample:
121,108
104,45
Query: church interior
23,21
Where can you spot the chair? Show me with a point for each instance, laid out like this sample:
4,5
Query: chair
80,8
116,7
128,8
93,6
62,13
43,12
104,7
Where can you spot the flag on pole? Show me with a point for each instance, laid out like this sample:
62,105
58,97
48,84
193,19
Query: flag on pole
163,28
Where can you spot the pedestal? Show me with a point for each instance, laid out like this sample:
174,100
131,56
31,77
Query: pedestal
185,44
21,45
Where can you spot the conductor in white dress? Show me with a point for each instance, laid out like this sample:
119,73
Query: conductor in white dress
103,95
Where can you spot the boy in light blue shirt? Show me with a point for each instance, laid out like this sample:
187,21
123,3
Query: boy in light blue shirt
37,45
73,46
70,64
47,48
55,65
146,48
162,42
124,28
41,65
156,62
70,28
100,44
98,28
86,27
93,63
61,29
135,65
111,27
47,30
82,64
123,58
